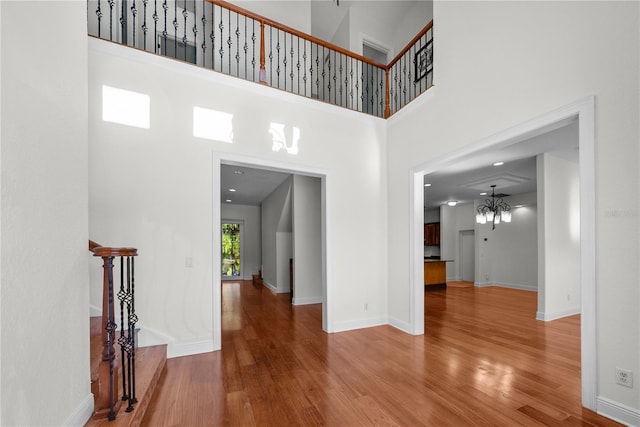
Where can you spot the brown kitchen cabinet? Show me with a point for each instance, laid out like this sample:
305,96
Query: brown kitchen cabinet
432,234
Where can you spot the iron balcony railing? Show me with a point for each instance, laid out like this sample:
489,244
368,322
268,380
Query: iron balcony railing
220,36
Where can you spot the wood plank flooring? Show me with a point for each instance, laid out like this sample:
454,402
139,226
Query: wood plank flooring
483,361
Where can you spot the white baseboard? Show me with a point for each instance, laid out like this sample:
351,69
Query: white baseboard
179,349
94,311
148,337
557,314
350,325
521,287
269,286
618,412
306,301
82,414
400,324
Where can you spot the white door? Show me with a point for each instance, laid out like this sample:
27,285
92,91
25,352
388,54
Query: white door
467,255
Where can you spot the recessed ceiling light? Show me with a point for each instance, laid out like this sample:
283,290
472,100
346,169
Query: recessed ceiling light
452,202
238,172
228,200
427,185
498,164
233,190
518,206
483,194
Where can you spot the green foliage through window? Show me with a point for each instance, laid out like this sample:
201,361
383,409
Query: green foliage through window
230,249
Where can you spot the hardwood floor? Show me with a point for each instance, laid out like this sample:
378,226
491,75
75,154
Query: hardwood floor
483,361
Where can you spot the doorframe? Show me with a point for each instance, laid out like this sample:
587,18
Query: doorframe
324,175
461,234
584,111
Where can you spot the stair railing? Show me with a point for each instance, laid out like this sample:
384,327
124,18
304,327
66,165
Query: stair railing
223,37
107,401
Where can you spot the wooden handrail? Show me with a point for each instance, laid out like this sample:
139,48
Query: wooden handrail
410,44
114,252
312,39
93,245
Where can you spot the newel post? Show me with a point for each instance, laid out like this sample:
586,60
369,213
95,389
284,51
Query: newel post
262,76
107,402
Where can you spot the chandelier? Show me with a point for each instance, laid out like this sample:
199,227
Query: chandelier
493,210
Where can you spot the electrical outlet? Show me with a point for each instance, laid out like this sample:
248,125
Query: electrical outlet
366,307
624,377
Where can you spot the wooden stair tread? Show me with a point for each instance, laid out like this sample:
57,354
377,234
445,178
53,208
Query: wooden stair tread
150,363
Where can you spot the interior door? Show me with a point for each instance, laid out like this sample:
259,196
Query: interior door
467,255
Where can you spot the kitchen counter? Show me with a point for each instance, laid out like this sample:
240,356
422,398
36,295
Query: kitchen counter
435,271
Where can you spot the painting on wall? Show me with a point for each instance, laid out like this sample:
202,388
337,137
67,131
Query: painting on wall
423,61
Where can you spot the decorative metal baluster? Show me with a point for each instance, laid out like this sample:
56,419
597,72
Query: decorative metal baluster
271,55
155,26
351,85
229,43
134,14
123,22
317,81
395,84
144,24
194,30
204,33
221,50
185,14
212,36
335,77
292,75
122,340
304,66
323,75
99,15
381,102
133,319
358,106
278,62
111,4
175,28
284,61
237,45
329,85
165,6
245,48
340,81
253,55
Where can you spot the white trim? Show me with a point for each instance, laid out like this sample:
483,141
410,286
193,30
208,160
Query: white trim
81,414
557,314
618,412
148,337
400,324
584,111
189,348
307,301
350,325
377,45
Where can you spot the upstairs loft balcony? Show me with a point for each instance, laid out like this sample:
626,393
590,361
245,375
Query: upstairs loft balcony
228,39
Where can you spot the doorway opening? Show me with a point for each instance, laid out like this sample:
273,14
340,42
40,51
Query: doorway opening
231,250
309,201
582,112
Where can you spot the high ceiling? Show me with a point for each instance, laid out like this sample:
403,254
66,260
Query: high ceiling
462,181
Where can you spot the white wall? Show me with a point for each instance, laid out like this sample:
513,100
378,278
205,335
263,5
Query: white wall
559,231
276,226
251,235
295,14
43,216
152,188
545,62
307,240
284,252
509,255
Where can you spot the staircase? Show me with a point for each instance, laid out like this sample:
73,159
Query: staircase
150,363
